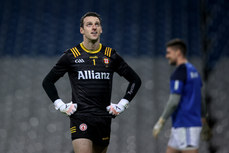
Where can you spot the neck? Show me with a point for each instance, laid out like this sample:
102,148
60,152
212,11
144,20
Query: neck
181,61
91,45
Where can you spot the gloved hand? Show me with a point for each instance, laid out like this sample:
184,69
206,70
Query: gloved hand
158,126
206,133
68,108
116,109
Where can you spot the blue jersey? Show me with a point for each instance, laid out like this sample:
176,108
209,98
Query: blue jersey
186,82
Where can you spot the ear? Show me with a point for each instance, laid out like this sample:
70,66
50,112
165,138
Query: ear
81,30
178,52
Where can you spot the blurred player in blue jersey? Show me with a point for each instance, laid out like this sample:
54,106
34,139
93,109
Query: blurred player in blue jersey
184,103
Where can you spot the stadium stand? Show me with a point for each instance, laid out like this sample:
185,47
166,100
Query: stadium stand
33,34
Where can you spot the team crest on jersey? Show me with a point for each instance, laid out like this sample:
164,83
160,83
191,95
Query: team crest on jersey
83,127
106,60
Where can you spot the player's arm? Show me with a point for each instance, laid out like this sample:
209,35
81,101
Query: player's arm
49,86
123,69
170,107
176,87
134,83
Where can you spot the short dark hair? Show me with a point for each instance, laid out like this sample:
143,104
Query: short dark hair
178,44
89,14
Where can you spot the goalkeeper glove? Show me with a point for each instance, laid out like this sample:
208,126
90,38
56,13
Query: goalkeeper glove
206,133
116,109
68,108
158,126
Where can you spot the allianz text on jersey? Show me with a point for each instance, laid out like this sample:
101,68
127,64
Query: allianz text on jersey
90,74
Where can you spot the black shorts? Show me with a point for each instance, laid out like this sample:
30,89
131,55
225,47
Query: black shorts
97,129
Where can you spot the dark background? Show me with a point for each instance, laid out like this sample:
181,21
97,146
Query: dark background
34,33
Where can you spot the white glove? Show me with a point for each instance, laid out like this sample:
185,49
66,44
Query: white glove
116,109
158,126
68,108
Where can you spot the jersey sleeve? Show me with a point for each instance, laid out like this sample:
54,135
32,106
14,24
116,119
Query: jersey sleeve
123,69
62,65
178,79
120,66
56,72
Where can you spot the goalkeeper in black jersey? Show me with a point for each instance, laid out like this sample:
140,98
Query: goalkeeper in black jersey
90,67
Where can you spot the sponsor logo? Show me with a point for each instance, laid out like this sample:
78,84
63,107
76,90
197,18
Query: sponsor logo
90,74
79,61
194,75
83,127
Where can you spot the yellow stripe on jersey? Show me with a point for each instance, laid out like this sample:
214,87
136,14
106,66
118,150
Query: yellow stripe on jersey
93,57
73,129
108,51
91,51
106,138
105,51
75,52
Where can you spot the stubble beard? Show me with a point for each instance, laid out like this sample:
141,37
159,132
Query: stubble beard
173,63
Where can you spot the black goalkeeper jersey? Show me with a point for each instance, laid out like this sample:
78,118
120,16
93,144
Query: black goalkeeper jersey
91,74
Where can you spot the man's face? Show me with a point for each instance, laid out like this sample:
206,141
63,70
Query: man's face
171,55
91,29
